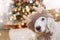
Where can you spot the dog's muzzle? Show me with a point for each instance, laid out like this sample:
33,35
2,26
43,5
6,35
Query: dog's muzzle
38,28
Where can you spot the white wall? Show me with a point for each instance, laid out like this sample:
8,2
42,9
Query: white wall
52,4
4,11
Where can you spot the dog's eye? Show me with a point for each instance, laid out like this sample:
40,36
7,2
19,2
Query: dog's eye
43,19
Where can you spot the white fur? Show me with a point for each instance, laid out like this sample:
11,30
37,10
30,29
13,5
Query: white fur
50,24
41,23
21,34
56,32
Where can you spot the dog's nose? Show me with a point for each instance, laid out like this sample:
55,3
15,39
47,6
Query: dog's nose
38,28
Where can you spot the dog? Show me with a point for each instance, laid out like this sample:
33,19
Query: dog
42,23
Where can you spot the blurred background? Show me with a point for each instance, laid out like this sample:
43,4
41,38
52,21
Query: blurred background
12,11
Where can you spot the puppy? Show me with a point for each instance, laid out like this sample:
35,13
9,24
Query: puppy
42,24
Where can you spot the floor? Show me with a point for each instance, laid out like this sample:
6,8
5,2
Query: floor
4,35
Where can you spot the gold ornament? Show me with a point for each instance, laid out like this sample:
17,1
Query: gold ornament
27,9
19,3
15,9
19,9
23,10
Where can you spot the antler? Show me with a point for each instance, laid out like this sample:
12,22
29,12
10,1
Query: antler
39,8
26,19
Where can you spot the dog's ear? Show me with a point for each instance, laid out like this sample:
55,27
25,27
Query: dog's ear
50,24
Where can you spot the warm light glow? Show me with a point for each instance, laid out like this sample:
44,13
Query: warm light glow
0,34
22,23
12,2
11,18
19,9
33,35
31,1
15,9
37,2
19,25
56,15
27,9
21,18
23,10
1,21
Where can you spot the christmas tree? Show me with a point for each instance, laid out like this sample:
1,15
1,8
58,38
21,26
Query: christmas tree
21,8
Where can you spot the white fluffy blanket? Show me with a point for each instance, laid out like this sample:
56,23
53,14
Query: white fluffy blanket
21,34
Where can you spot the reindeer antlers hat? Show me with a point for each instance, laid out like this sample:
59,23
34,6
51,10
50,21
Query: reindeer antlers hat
40,11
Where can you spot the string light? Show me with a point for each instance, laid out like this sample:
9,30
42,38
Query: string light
15,9
31,1
0,34
11,18
22,23
23,10
19,9
37,2
27,9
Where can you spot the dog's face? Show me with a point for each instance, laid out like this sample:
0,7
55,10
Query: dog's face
40,24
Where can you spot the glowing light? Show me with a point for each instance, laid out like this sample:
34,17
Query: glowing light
31,1
22,23
21,18
11,18
15,9
56,14
12,2
27,9
37,2
19,9
33,35
19,25
1,21
14,17
0,34
25,13
23,10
